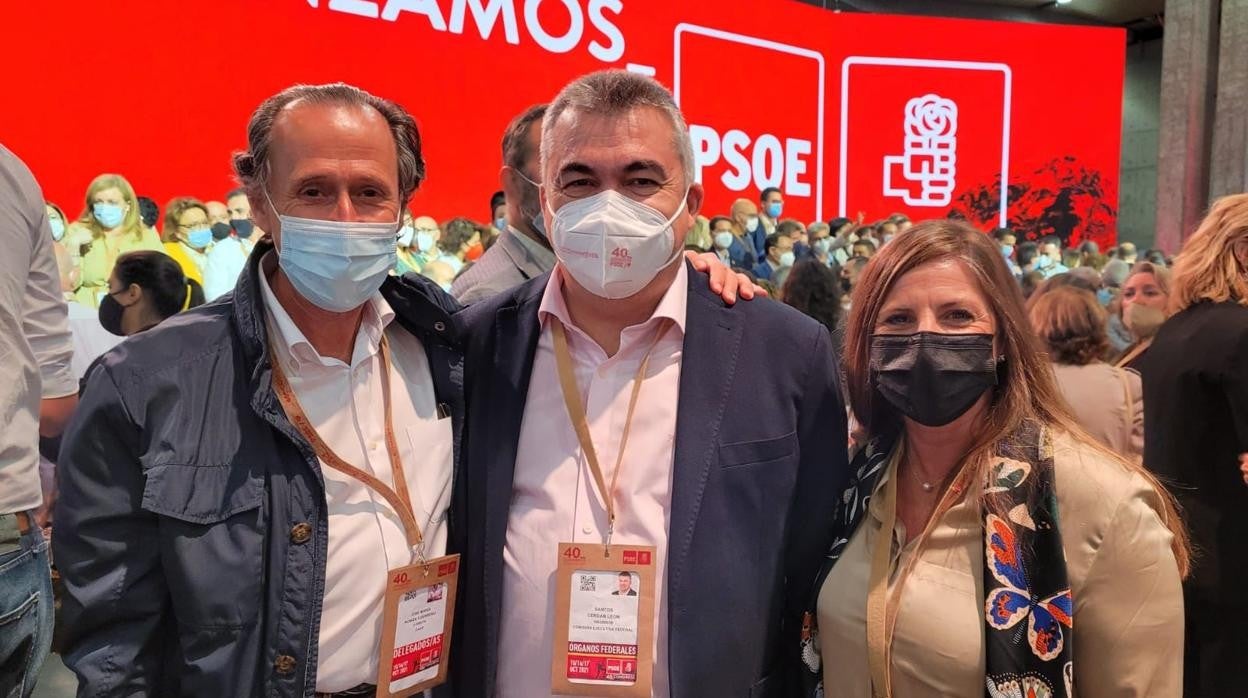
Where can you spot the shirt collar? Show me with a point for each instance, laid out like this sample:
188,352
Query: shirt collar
377,316
672,306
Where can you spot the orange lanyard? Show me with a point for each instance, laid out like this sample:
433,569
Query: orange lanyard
572,399
401,501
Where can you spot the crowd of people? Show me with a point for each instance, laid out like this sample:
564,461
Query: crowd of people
910,481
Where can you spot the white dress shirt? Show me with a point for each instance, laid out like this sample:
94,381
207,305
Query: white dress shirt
366,536
224,262
554,499
35,345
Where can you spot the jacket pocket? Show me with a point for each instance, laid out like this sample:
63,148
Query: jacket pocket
211,539
755,452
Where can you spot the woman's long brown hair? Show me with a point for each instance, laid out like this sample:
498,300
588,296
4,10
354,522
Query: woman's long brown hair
1027,388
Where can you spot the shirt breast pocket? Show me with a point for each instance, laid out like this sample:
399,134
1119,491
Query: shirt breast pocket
211,541
749,453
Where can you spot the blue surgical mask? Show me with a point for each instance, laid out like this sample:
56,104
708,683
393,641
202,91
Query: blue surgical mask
723,240
406,233
58,228
787,259
109,215
1042,262
500,224
424,241
1007,251
774,209
199,238
822,245
336,265
1104,296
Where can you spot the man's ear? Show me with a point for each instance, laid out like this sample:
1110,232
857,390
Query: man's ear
694,199
264,217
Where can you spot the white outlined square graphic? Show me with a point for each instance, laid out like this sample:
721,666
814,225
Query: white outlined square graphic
1002,68
686,28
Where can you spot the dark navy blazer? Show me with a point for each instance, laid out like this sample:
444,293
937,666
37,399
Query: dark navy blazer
760,458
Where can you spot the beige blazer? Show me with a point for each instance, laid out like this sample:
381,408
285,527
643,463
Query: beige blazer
1128,597
1108,402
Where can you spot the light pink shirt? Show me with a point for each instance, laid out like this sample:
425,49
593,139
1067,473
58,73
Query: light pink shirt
554,499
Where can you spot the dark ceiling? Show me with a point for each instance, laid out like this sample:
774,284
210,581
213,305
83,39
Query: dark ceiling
1142,18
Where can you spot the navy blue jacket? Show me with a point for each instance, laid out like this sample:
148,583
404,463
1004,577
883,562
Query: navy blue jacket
760,459
763,270
186,500
740,256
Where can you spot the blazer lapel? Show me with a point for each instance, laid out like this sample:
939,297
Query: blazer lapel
708,365
515,327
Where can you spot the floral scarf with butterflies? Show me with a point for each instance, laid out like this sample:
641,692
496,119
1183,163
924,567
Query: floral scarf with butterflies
1028,609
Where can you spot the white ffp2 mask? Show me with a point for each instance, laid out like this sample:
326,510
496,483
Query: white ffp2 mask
612,245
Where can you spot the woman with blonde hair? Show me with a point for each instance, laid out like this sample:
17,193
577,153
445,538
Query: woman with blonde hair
108,227
986,542
1145,296
1107,401
188,236
1196,408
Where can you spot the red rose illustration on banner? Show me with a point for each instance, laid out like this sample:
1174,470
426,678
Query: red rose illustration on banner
1062,198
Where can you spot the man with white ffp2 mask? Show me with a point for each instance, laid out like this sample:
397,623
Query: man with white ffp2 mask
210,542
633,425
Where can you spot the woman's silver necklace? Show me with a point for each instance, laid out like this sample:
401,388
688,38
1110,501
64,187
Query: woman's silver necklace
927,486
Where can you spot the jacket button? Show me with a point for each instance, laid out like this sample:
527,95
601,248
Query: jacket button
301,533
439,326
285,664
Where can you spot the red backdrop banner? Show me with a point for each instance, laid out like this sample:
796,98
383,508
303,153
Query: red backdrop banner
843,112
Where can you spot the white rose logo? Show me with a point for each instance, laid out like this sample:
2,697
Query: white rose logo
923,175
931,116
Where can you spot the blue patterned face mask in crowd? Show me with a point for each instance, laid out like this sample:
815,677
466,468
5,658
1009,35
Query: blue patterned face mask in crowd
774,209
1104,296
109,215
336,265
1007,251
500,224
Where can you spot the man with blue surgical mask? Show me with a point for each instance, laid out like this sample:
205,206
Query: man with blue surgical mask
770,207
211,540
616,404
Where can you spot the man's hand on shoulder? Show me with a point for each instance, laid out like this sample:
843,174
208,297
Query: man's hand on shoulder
727,283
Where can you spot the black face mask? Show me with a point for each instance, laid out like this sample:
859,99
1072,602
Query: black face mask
930,377
846,285
220,231
110,315
243,226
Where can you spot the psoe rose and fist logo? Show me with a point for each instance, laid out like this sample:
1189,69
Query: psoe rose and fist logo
916,133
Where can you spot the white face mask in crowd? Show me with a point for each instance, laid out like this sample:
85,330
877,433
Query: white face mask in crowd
612,245
336,265
406,233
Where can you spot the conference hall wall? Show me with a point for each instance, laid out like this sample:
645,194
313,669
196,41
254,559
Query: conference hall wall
1000,123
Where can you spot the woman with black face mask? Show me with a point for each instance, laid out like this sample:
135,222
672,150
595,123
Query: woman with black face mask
145,289
982,521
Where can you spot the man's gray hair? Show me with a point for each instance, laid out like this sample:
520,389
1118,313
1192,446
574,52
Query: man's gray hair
616,92
252,165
